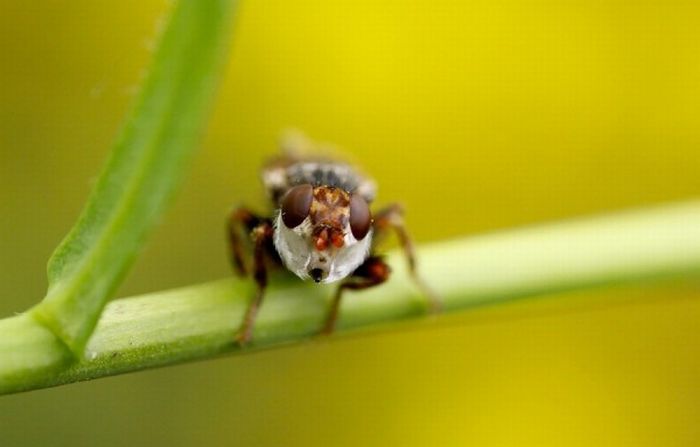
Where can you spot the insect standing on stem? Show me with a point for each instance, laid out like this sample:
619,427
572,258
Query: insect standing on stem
322,229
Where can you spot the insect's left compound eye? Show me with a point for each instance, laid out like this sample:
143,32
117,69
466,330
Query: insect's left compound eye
360,217
296,205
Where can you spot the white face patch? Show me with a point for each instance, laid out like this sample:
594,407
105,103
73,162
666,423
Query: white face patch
296,248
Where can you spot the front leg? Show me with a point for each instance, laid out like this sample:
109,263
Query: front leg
372,272
241,220
262,235
259,229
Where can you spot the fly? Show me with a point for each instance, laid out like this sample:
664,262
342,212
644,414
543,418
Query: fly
322,230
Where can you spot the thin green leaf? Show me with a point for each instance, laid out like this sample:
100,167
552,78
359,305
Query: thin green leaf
200,321
145,166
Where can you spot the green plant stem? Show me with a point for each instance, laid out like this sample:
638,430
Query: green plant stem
146,164
200,321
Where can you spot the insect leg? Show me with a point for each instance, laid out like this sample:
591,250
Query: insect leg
262,234
372,272
391,217
240,218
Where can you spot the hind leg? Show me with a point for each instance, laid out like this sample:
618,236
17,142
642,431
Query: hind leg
391,218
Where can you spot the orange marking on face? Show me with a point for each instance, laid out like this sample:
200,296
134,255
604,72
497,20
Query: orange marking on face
337,239
321,242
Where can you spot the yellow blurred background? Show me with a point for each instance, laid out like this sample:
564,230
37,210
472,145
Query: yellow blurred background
476,115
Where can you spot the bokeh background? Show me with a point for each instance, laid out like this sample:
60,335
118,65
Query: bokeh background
476,115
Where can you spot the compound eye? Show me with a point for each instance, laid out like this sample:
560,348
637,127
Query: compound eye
360,217
296,205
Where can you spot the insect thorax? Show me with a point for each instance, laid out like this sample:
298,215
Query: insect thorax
282,174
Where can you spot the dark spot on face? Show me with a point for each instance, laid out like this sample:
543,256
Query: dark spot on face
360,217
316,274
296,205
322,260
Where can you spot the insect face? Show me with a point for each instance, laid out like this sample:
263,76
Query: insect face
323,232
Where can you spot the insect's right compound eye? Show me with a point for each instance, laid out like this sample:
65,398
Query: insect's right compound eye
296,205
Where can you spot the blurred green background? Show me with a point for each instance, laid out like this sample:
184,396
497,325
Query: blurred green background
476,115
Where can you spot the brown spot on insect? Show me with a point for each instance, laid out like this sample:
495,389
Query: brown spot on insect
322,229
330,207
